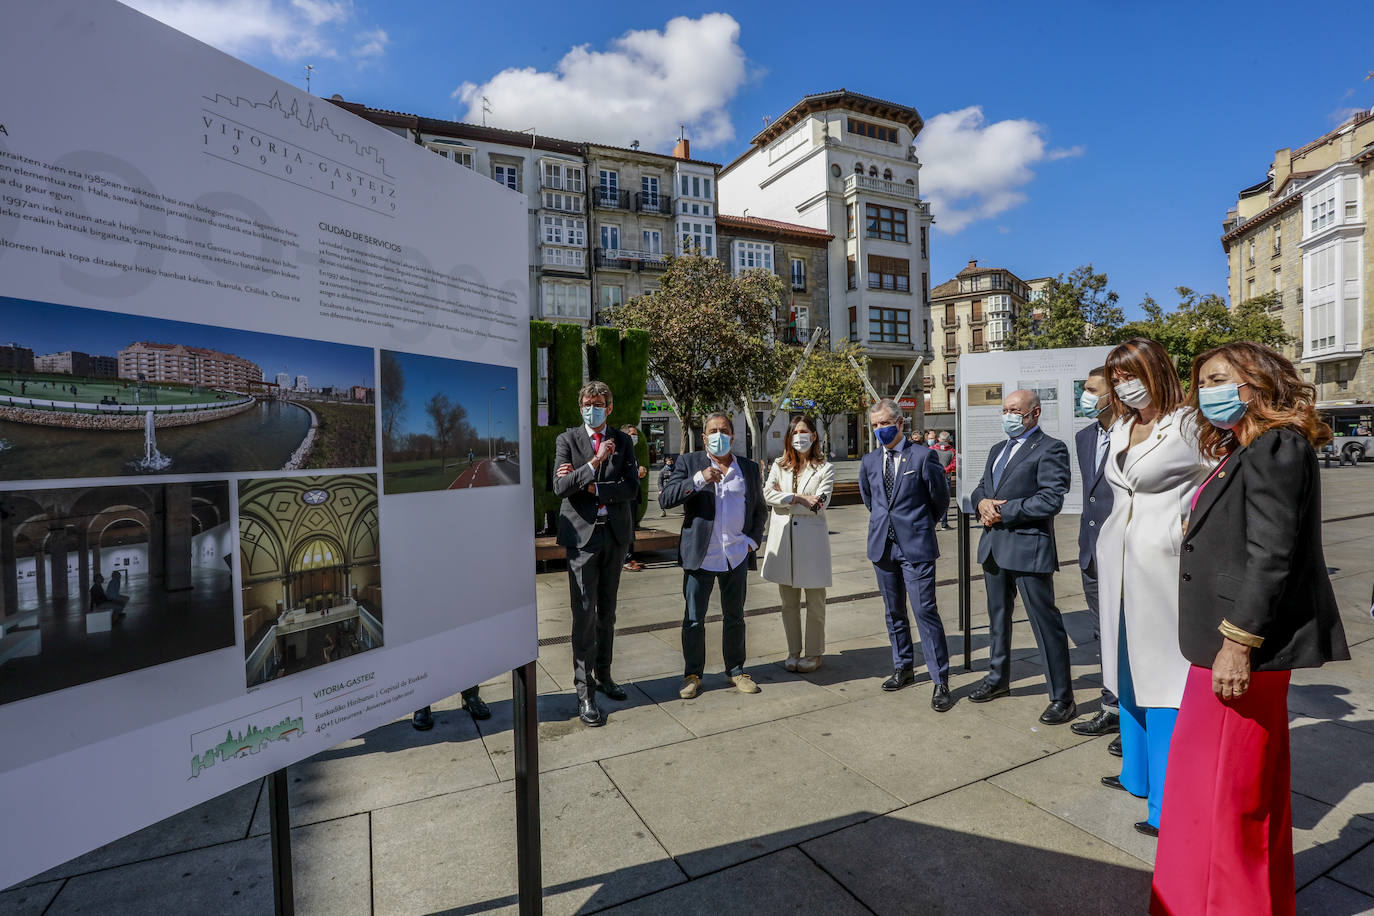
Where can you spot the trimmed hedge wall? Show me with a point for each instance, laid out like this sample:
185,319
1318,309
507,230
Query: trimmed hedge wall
620,359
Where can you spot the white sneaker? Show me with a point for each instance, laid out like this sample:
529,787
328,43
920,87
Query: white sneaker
744,683
808,664
691,686
791,663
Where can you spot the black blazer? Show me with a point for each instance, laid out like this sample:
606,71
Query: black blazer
699,506
1097,493
617,487
1253,556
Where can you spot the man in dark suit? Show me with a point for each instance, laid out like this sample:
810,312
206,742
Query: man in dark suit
905,489
1021,492
1092,443
721,495
597,478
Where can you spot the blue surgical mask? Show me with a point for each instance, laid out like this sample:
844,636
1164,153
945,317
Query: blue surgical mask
718,444
593,416
1090,404
1221,405
1013,424
886,434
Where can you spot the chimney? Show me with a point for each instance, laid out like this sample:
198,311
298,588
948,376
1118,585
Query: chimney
682,149
972,262
1283,166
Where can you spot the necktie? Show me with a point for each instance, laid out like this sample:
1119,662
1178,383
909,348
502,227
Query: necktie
596,442
1001,464
1104,441
889,483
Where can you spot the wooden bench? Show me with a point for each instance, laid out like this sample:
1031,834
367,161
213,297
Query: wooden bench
846,493
646,539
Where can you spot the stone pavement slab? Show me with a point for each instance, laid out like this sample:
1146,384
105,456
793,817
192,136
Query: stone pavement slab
637,656
219,820
1331,763
980,850
1325,837
785,883
720,707
1358,870
331,877
387,766
906,748
730,797
456,853
632,725
1331,898
29,900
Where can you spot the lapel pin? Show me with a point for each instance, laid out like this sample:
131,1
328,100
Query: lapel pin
1222,474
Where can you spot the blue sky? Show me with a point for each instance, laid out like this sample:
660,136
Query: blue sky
1057,133
54,328
473,385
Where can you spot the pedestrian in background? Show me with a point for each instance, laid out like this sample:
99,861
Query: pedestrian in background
797,557
1255,601
631,563
949,460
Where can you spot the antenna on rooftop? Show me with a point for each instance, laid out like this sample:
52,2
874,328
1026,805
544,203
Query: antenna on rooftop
486,109
309,69
682,132
634,144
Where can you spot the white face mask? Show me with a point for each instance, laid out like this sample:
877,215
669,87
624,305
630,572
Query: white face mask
802,441
1132,393
634,440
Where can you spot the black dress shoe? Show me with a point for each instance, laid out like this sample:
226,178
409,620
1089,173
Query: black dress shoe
1104,723
1115,747
1113,782
940,700
902,677
588,712
477,708
423,720
986,693
611,689
1059,712
1147,828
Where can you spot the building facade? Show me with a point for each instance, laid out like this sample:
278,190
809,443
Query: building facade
1303,234
14,358
971,313
74,362
843,162
158,362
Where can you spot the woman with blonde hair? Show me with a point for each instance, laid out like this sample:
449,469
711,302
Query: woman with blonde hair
1153,467
1255,602
797,556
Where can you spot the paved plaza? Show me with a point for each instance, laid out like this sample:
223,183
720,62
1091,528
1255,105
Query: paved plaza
820,794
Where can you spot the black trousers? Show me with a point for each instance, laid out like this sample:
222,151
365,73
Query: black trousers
1037,593
1090,593
593,581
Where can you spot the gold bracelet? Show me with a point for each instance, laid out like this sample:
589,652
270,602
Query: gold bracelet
1236,634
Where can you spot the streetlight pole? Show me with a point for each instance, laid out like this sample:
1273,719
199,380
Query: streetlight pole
489,398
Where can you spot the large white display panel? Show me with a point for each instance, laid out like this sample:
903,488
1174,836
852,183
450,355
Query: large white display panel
263,393
984,379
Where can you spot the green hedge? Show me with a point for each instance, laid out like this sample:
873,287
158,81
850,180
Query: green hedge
620,359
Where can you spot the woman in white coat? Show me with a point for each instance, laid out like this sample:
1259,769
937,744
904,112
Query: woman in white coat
797,557
1153,466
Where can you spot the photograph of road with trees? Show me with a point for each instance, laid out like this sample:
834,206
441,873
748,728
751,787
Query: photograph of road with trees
447,424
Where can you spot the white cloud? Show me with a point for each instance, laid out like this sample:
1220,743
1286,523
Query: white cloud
642,88
287,29
372,44
973,170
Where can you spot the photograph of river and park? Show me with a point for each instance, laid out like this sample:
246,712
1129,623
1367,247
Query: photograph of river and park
90,393
447,424
100,581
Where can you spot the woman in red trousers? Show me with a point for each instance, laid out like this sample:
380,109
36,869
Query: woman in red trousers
1254,603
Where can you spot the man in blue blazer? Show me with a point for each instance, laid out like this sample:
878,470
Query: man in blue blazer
1093,443
723,514
904,487
1022,490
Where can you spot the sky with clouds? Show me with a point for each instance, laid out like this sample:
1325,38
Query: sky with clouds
1056,134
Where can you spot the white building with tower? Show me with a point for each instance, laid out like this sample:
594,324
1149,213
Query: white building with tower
843,162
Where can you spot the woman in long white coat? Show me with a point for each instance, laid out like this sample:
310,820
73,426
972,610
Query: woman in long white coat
797,556
1154,466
